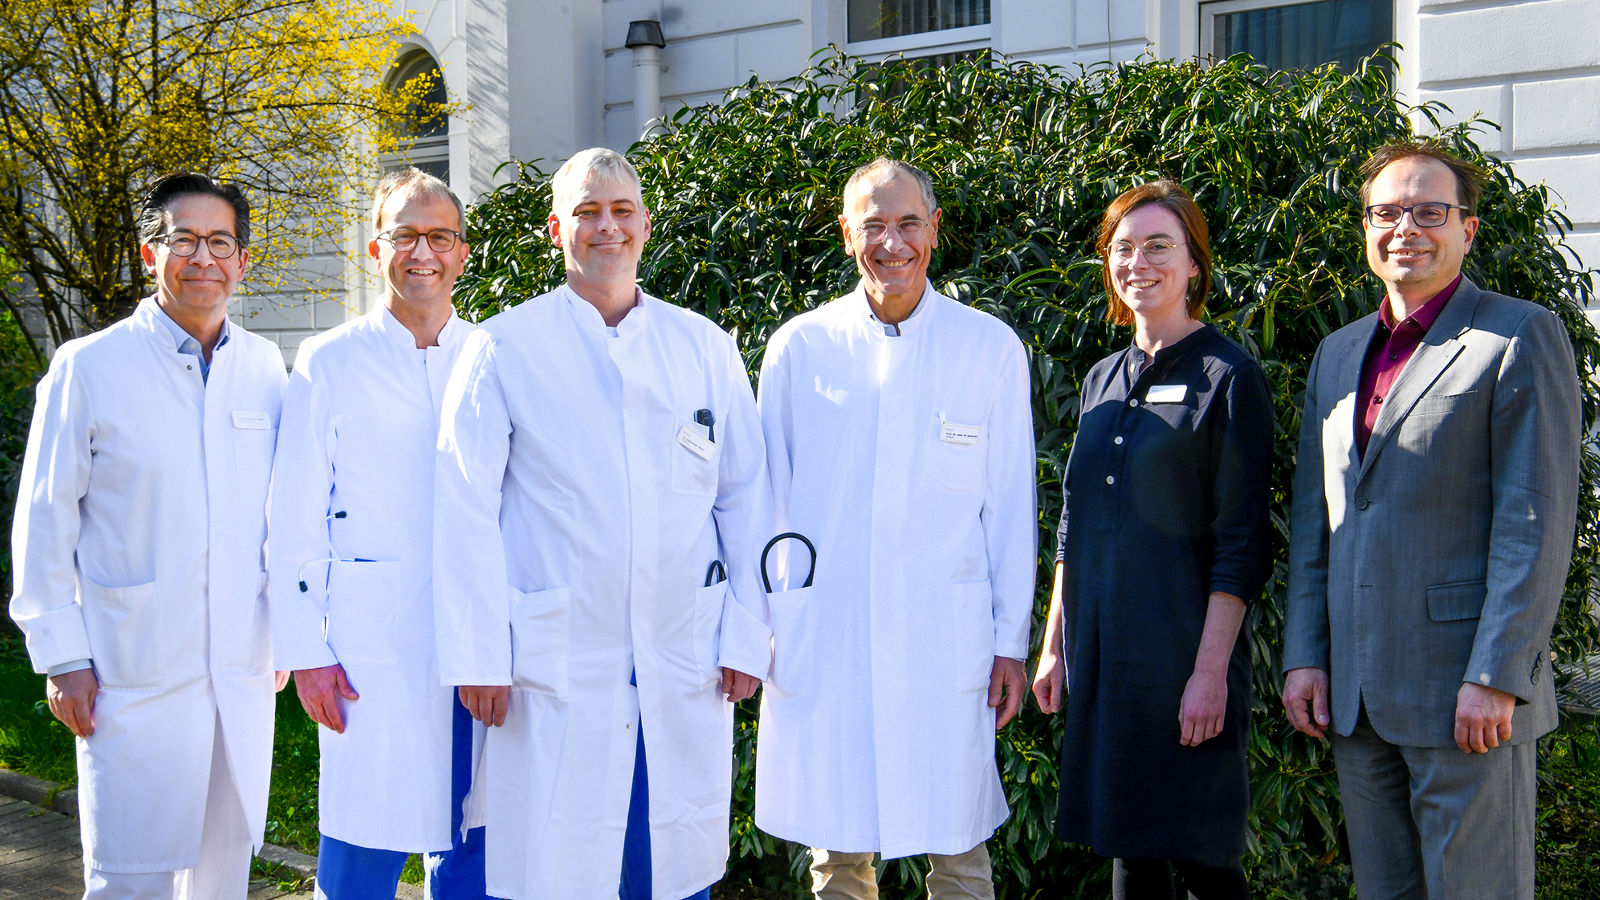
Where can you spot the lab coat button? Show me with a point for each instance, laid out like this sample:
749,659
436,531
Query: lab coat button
1111,479
1134,402
1362,503
1117,440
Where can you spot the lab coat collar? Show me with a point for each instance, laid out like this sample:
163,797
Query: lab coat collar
589,318
912,324
395,331
152,318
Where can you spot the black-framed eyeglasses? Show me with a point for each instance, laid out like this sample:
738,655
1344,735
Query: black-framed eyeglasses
220,244
1155,252
440,240
1423,215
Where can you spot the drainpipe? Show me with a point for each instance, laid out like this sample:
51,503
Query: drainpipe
645,40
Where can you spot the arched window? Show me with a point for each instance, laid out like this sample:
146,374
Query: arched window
427,143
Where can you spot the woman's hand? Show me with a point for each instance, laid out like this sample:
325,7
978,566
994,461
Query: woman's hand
1048,681
1204,706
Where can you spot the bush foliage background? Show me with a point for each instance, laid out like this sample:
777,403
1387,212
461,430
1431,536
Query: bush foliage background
746,196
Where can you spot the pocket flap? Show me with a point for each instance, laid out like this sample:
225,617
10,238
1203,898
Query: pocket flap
1453,602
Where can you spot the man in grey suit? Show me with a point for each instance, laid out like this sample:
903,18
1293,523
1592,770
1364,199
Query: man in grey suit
1434,507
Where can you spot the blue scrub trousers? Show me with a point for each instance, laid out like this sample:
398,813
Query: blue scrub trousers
348,872
636,844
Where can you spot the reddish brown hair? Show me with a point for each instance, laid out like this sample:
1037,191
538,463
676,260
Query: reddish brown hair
1170,195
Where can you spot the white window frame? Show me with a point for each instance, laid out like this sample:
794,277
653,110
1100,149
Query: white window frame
923,43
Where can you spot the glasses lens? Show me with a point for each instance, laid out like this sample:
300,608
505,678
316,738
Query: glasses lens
1158,251
1430,215
441,240
182,244
222,246
1384,215
401,240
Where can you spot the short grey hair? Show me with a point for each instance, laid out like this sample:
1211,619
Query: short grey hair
593,161
894,168
415,182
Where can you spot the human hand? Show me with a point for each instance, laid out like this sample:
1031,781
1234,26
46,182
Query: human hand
320,691
1483,717
487,703
1305,699
71,698
279,679
1008,680
1049,680
1204,707
737,686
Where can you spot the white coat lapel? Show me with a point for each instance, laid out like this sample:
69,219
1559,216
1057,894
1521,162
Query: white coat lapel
1439,348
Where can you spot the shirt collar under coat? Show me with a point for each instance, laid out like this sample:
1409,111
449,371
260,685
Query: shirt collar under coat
910,325
150,314
589,318
395,331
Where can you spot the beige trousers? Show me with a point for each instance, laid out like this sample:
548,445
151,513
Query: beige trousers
850,876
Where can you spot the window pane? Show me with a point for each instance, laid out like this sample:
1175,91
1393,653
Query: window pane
873,19
1306,35
424,119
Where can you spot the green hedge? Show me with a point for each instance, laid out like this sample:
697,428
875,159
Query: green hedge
1024,157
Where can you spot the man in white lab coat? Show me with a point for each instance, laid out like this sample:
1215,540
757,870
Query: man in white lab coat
900,443
352,562
141,515
601,502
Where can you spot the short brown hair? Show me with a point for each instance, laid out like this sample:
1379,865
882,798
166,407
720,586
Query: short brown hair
1170,195
417,183
1469,178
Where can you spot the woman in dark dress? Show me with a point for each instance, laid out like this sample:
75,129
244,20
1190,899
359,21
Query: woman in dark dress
1162,546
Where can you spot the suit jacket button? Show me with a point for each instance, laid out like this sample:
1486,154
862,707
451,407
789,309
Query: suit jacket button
1362,503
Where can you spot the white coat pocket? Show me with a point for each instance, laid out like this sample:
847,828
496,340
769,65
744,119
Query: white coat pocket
959,467
252,459
539,626
691,646
126,634
363,611
694,459
968,609
796,652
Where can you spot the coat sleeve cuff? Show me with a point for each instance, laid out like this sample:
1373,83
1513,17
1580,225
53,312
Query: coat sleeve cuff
746,644
76,665
56,637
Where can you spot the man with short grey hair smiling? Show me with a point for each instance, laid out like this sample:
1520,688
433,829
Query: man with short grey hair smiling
900,445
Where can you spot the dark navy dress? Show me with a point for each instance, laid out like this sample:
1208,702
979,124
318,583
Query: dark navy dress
1166,502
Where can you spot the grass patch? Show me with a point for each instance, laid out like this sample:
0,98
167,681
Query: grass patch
31,740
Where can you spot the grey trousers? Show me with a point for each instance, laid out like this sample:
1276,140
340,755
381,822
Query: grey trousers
1431,823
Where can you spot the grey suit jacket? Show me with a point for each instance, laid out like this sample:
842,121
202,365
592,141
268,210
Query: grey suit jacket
1440,557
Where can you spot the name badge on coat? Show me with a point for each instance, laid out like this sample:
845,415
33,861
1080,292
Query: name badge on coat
696,443
1166,393
255,421
951,433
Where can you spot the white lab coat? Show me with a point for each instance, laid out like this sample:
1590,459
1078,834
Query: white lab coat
909,462
141,514
360,422
574,534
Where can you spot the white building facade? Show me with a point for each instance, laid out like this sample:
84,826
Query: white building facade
542,79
